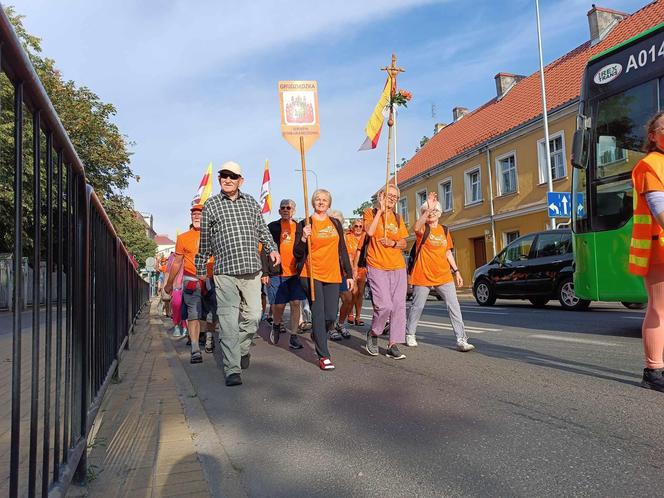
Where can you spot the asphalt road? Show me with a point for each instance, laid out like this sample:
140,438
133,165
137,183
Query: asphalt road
547,405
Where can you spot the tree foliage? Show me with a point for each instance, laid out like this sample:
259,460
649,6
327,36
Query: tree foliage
102,148
359,211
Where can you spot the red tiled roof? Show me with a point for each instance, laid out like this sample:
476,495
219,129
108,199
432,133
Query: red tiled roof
163,240
523,102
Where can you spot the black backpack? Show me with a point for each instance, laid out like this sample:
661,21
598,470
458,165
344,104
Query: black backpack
415,250
362,260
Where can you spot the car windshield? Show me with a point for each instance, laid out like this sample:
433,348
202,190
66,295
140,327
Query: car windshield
517,250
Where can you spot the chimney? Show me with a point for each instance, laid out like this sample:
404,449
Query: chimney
601,21
437,127
458,113
505,81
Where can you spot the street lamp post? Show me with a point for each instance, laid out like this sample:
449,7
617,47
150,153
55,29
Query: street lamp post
309,170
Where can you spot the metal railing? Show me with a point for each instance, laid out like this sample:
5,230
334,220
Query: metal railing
63,354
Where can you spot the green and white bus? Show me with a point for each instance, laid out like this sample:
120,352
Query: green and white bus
622,88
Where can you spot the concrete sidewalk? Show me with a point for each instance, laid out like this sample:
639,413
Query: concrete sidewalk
152,437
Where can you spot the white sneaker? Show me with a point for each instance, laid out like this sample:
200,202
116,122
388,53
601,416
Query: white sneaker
176,331
410,341
464,346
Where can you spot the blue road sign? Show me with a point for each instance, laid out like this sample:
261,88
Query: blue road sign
560,204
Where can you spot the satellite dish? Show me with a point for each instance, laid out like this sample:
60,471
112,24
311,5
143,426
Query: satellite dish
149,262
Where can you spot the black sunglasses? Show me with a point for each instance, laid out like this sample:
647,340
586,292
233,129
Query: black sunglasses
225,174
286,207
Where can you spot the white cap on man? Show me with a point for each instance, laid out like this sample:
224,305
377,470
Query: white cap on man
231,166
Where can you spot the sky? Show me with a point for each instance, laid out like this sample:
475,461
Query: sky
195,81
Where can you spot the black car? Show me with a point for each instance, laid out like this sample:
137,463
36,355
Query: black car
538,267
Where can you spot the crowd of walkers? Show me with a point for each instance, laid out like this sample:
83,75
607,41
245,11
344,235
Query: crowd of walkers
230,259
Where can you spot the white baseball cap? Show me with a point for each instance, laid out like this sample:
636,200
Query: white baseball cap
231,166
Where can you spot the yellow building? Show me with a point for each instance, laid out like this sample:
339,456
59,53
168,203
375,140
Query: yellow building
489,165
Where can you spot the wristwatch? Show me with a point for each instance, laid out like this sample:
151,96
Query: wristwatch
455,270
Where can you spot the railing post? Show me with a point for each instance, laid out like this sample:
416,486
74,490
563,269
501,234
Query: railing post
18,290
82,324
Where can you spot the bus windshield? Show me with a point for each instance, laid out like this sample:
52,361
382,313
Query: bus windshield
618,138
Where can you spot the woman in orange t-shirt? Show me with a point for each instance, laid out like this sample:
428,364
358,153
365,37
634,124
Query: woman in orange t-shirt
353,237
386,272
328,264
435,267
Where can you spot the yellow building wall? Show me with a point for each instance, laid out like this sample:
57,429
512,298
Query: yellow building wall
530,192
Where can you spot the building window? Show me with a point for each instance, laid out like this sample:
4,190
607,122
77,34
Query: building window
402,209
445,195
509,237
557,150
420,199
473,186
506,173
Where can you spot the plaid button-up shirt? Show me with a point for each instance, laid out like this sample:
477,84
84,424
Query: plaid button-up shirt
231,231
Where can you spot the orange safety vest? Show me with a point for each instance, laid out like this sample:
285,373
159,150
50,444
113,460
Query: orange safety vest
647,245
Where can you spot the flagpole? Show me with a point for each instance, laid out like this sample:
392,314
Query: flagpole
306,219
392,71
396,113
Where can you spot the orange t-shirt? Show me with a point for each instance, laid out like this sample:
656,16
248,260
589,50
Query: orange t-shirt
186,245
651,183
325,252
379,256
352,243
432,267
286,248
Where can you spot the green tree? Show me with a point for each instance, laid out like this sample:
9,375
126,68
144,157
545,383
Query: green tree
102,148
363,207
423,142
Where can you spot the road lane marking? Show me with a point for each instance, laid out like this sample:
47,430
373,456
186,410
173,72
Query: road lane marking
571,339
469,327
444,326
483,312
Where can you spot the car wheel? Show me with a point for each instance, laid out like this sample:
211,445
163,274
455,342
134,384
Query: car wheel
539,302
567,297
634,306
484,294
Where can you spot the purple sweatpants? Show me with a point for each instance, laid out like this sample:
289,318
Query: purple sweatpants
388,291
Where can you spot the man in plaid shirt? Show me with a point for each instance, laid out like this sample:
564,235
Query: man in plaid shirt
231,228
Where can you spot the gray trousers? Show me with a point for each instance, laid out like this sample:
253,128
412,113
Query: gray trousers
237,296
447,292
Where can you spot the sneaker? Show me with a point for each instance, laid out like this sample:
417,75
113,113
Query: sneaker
244,361
196,357
275,333
294,342
177,332
233,380
464,346
345,333
372,344
325,364
209,344
410,341
653,378
394,353
185,332
334,335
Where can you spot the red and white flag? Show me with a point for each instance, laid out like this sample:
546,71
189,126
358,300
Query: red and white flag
266,199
